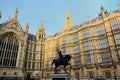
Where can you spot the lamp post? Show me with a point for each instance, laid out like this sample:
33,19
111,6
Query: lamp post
0,14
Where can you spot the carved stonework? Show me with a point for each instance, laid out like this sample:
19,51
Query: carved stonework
13,25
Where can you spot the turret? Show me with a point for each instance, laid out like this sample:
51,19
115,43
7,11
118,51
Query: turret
40,35
68,21
103,12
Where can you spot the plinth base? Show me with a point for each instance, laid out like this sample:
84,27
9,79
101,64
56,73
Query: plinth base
61,77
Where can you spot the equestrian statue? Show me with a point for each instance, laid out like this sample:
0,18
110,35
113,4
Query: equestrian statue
62,60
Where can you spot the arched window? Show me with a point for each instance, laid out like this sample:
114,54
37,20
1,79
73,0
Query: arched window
8,50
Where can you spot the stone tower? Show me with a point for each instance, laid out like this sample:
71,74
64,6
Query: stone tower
40,35
40,38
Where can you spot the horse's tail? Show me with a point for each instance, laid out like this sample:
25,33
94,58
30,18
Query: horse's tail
53,62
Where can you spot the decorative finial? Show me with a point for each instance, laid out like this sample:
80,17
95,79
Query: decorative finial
16,13
27,27
68,21
102,8
41,25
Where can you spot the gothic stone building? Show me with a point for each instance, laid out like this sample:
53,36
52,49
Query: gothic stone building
94,47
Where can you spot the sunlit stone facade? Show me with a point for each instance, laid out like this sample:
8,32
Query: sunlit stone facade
94,47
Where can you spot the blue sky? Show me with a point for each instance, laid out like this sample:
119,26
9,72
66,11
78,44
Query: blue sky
52,12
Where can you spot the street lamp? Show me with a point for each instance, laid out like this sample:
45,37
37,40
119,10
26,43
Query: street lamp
0,14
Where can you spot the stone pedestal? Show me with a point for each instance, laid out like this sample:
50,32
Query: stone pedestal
61,77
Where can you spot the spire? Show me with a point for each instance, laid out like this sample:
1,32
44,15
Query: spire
41,27
103,11
16,13
68,21
102,8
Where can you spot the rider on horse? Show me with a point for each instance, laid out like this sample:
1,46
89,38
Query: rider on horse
61,61
59,53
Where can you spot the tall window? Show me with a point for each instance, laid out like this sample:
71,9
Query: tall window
38,65
29,65
76,49
64,41
34,47
33,65
117,38
77,61
87,46
105,57
91,76
102,43
8,50
115,24
30,46
85,33
89,58
108,75
75,37
65,50
30,55
33,56
77,76
99,30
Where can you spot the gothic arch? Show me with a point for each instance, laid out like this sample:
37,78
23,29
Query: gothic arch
9,49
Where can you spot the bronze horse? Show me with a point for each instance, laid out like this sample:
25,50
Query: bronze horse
62,61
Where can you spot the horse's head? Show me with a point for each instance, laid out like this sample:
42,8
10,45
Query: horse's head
68,57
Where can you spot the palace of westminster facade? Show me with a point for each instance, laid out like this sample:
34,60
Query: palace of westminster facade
94,47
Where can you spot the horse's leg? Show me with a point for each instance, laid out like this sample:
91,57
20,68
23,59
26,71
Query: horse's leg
55,70
70,67
65,69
